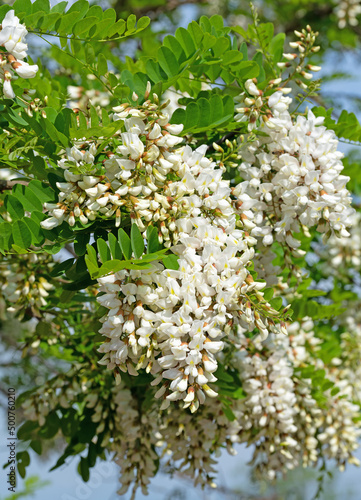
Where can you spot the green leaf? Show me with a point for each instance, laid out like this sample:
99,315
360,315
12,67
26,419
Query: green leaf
42,191
51,426
114,247
60,268
22,7
48,22
116,28
205,112
216,21
102,65
143,23
276,47
5,236
59,7
21,234
36,446
92,254
153,241
26,430
232,57
113,266
171,262
265,32
28,200
79,9
192,116
80,243
84,25
125,244
185,39
276,303
137,241
195,32
66,23
103,250
92,268
14,207
37,234
173,44
41,5
247,69
131,22
22,461
168,61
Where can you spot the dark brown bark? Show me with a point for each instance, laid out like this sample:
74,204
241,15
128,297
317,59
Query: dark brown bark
7,185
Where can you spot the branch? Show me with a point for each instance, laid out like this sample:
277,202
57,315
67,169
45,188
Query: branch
71,250
4,185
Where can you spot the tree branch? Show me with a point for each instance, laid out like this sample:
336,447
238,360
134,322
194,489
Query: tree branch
7,185
71,250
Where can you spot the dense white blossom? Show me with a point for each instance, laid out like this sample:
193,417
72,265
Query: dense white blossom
23,284
292,178
172,322
345,250
12,38
291,426
347,12
80,98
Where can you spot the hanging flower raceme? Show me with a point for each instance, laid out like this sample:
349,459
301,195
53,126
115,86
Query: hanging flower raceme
292,427
343,254
347,12
81,98
12,39
292,178
23,284
169,322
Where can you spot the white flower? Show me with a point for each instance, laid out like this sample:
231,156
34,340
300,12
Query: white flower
26,70
12,38
295,174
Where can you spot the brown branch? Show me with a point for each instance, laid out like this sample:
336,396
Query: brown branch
71,250
5,185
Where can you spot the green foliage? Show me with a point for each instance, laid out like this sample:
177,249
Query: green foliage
209,111
111,252
347,125
80,21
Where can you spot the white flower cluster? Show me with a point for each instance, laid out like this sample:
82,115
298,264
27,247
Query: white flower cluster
349,363
140,434
345,251
194,441
22,285
79,195
293,178
347,12
12,38
135,450
137,170
292,427
81,98
172,322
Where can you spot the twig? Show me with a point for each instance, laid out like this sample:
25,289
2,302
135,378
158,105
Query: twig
70,249
5,185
